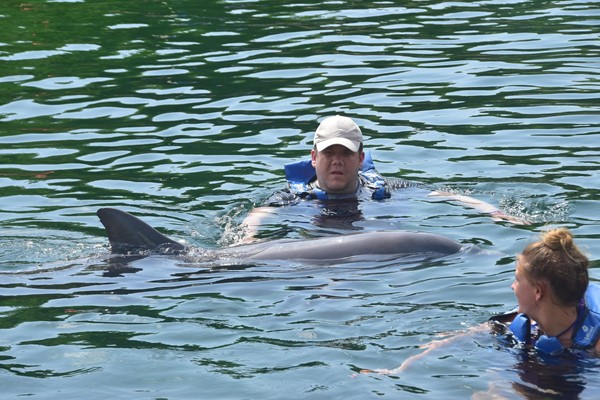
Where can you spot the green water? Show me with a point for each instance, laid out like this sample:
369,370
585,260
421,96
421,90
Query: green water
184,113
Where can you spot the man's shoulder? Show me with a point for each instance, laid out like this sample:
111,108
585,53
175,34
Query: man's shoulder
398,183
373,178
283,197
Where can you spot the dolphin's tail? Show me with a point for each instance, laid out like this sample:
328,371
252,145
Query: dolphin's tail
128,234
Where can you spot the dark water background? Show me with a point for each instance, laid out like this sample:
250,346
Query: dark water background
184,113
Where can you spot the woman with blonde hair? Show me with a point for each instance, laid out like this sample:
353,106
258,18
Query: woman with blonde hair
558,309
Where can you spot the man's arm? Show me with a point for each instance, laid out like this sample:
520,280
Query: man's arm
481,206
257,215
254,220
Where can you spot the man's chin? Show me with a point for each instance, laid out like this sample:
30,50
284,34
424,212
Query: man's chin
339,191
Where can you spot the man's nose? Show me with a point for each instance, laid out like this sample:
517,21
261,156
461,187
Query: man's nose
337,157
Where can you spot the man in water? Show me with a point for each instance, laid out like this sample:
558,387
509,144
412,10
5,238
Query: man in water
340,171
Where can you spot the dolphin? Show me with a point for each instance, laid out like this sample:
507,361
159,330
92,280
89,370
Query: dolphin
128,235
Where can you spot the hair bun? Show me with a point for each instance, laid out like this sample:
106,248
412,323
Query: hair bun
557,239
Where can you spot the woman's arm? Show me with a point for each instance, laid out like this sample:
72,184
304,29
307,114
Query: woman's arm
429,347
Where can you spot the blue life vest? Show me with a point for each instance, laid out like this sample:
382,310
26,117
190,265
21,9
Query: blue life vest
587,327
301,174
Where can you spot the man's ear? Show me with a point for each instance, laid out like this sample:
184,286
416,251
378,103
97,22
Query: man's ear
313,157
362,158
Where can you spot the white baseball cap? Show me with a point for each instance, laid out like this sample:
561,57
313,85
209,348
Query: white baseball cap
338,130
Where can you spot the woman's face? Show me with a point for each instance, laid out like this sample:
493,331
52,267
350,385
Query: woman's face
525,291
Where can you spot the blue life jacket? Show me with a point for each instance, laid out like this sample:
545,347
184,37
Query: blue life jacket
301,174
587,327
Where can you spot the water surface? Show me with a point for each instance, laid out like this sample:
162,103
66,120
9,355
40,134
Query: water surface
184,113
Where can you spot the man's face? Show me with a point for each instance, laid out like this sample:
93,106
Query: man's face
337,168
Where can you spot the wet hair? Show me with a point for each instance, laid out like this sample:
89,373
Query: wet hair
556,259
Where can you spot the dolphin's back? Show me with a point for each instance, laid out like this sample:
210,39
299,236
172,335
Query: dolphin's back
342,246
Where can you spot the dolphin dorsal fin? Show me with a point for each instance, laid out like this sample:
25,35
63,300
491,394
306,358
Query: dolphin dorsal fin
128,234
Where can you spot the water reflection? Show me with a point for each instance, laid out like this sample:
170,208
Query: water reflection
549,378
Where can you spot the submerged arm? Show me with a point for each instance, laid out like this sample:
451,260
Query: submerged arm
429,347
467,201
257,215
254,220
481,206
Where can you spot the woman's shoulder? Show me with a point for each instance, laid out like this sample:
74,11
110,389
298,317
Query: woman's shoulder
592,298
